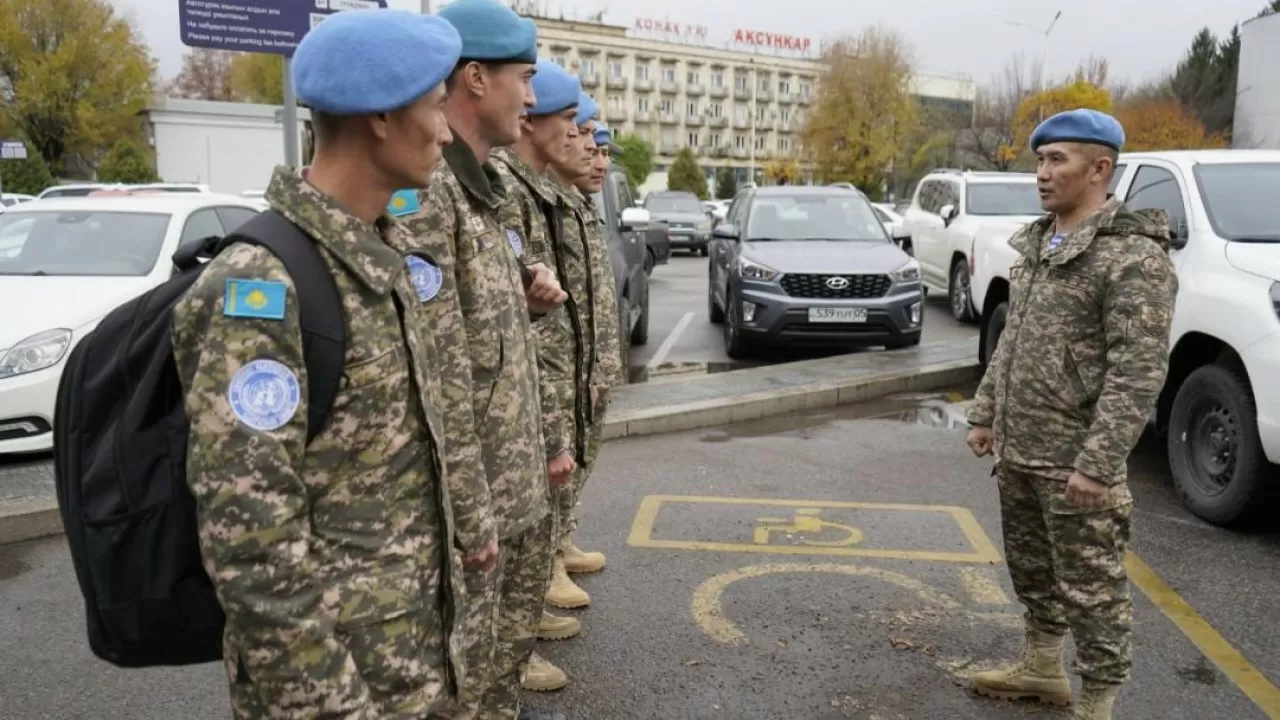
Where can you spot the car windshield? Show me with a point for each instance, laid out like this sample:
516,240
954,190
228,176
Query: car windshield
75,243
1004,199
675,204
1240,198
838,217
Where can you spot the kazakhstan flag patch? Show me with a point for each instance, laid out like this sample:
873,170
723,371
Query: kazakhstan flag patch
263,299
403,203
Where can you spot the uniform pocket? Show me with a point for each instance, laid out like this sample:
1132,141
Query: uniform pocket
387,627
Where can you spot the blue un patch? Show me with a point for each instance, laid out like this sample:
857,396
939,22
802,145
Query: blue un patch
264,394
427,278
517,244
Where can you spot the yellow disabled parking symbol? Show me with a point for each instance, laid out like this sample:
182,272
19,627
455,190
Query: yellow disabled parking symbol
806,522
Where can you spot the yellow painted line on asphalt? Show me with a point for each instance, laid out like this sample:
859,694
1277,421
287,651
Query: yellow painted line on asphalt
982,586
1248,678
956,397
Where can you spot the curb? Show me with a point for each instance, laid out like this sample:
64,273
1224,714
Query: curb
34,520
752,406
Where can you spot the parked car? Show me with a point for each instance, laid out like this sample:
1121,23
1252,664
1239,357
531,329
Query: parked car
689,224
813,266
68,262
895,225
74,190
10,199
175,187
626,228
950,208
258,198
1220,406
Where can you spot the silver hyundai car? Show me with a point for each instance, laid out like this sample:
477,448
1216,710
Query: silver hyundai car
796,265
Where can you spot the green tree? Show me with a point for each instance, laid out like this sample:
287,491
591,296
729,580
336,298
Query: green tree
127,162
259,77
636,159
29,176
685,175
74,75
726,184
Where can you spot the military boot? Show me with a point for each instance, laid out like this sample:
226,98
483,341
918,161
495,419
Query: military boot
1096,700
556,627
541,676
578,561
1038,674
564,592
531,714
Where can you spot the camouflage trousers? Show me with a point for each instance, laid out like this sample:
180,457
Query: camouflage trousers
566,496
1067,566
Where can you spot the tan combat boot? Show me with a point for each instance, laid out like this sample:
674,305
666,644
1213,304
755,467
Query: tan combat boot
541,676
1096,700
564,592
556,627
578,561
1037,675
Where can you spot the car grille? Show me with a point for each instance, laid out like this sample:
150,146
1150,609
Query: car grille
815,286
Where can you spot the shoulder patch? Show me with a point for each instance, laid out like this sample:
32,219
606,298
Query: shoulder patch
426,277
403,202
262,299
1155,269
516,243
264,394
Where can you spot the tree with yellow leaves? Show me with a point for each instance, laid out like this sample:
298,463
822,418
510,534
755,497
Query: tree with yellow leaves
782,170
1164,124
1038,107
258,77
864,109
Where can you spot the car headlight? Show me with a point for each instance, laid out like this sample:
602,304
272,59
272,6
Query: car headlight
704,226
752,270
37,352
1275,298
907,273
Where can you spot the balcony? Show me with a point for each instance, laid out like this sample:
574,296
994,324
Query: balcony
764,95
646,116
669,86
742,93
740,153
693,120
786,98
764,124
589,79
616,115
720,151
718,122
695,89
616,83
644,85
669,119
804,99
719,92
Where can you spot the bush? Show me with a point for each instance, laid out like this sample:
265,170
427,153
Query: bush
685,175
127,162
28,177
726,184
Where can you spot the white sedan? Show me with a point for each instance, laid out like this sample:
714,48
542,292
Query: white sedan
64,264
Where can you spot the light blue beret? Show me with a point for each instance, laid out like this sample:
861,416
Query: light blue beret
554,89
363,62
587,109
1081,126
602,135
491,31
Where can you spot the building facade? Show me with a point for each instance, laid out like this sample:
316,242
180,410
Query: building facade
735,109
1257,119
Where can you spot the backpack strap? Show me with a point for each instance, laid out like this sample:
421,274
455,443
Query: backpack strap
324,342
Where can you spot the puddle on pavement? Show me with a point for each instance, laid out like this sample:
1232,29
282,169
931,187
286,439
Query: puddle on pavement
933,409
1200,673
673,372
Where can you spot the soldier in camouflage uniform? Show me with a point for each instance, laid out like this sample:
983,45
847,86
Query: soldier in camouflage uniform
330,559
1068,392
494,446
587,274
548,132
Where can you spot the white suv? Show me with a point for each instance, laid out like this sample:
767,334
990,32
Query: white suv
1220,407
950,209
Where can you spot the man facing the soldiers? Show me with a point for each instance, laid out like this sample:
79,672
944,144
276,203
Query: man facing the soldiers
1068,392
331,559
494,448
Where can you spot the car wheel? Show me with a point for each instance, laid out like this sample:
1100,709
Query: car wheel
961,304
992,329
649,262
714,311
640,333
735,345
1215,455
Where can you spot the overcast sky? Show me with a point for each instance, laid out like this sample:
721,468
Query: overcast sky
974,37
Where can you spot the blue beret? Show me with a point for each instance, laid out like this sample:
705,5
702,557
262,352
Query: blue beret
587,109
1082,126
363,62
603,136
491,31
554,89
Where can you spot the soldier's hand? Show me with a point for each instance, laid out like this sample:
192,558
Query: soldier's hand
981,440
484,559
559,468
1084,491
544,294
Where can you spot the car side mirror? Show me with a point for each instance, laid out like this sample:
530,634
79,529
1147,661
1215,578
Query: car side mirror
725,231
947,213
1179,235
635,218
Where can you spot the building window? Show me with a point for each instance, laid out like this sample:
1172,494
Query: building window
615,69
784,86
668,138
669,74
617,102
693,139
642,72
784,144
742,82
715,110
806,89
784,114
692,77
761,141
588,67
717,79
741,113
762,83
667,106
559,60
760,111
714,140
740,142
642,104
692,108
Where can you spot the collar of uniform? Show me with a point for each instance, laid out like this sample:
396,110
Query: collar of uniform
567,195
521,169
359,246
481,181
1077,242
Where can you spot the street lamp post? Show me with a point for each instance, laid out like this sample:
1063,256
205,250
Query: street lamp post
1044,47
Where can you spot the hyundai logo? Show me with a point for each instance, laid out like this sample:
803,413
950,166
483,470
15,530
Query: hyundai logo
838,283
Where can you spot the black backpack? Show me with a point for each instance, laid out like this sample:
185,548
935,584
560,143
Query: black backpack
120,448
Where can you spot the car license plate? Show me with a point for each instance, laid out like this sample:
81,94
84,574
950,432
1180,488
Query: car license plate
838,315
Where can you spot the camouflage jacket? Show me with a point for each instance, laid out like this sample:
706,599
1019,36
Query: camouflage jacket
609,371
493,438
1085,349
534,212
330,559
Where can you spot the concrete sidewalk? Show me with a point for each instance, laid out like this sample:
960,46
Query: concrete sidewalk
28,505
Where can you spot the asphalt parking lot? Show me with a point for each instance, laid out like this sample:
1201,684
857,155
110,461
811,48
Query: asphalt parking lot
826,565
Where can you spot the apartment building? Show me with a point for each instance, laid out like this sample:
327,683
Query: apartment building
734,109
